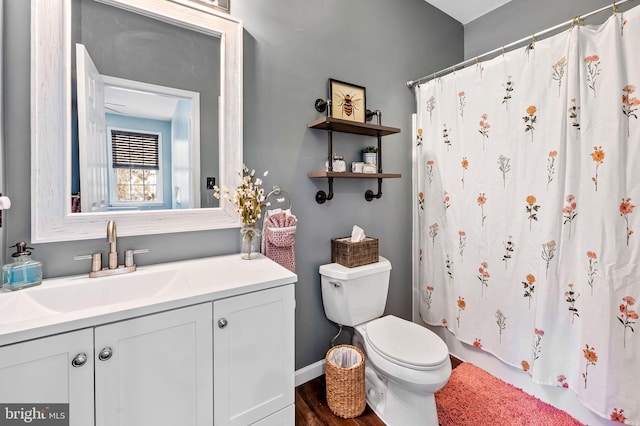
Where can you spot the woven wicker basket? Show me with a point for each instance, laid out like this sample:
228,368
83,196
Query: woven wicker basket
345,386
349,254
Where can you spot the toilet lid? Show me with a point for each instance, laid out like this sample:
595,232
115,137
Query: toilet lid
406,343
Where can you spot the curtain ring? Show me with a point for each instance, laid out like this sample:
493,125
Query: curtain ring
533,39
503,51
615,9
575,22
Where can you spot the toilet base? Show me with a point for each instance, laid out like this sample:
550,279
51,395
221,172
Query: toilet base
397,406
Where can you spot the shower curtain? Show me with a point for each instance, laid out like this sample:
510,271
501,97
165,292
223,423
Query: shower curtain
528,176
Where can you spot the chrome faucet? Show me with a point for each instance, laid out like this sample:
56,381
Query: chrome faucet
112,239
112,268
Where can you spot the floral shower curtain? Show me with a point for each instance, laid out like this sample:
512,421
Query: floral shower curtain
528,178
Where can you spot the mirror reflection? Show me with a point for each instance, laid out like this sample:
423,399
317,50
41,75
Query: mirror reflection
139,139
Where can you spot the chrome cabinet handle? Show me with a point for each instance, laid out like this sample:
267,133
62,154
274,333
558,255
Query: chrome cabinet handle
105,354
79,360
222,323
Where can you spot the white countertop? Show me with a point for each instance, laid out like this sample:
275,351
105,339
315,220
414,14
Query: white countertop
36,311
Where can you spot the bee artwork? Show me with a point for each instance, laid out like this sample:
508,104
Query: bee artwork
347,104
347,101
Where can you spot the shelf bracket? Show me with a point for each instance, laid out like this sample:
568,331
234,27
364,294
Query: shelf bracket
322,196
369,195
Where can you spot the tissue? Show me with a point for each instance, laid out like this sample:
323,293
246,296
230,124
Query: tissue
357,234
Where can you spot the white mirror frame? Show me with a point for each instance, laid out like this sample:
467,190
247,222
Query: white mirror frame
51,217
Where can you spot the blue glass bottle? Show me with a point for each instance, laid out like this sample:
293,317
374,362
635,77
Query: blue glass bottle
24,271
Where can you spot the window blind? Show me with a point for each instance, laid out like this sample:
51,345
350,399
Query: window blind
133,150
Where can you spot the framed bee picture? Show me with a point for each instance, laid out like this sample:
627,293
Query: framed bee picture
348,101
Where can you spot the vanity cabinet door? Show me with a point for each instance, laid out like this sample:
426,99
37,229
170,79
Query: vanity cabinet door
51,370
285,417
253,341
156,370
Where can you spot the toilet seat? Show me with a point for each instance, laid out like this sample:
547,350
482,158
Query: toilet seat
407,344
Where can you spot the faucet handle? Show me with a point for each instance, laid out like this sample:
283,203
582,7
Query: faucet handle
128,256
96,260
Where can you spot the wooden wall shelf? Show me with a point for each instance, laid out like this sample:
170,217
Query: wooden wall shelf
331,125
347,175
344,126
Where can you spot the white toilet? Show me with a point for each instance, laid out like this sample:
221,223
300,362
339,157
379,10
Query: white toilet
405,363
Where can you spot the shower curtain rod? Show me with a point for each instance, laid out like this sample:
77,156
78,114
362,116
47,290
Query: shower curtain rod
578,19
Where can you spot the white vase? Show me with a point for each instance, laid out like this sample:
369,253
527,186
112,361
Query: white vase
250,242
369,157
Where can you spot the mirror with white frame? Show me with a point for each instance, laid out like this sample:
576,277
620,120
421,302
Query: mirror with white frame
53,91
3,221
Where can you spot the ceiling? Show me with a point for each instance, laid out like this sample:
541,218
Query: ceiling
466,11
139,103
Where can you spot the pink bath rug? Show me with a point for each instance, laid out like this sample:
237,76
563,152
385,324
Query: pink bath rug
473,397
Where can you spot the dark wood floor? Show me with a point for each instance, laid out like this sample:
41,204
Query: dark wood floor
312,408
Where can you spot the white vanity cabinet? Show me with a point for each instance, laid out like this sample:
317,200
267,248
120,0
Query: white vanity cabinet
253,345
167,345
40,371
155,370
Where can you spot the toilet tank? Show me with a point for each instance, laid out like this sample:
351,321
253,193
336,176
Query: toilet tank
352,296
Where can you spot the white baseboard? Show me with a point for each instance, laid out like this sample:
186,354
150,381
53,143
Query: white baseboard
310,372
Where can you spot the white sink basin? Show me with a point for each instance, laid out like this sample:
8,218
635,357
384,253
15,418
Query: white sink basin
85,293
18,306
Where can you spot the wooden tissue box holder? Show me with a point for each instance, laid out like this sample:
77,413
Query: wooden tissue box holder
349,254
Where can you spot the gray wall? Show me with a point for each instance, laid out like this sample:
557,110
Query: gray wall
522,18
290,51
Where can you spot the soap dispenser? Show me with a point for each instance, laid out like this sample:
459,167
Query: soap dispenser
24,271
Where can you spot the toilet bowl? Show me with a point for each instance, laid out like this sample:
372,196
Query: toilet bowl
405,363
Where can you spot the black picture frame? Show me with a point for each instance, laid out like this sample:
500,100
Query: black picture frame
348,101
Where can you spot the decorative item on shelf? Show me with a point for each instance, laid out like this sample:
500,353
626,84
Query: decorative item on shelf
370,156
356,166
348,101
248,201
369,168
338,164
